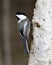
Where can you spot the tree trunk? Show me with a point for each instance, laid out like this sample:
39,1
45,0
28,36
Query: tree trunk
6,33
41,48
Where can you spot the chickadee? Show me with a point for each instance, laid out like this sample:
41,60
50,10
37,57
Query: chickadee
24,29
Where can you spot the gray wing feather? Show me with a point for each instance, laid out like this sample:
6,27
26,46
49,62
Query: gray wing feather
26,29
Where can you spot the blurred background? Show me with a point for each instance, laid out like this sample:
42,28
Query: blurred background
11,44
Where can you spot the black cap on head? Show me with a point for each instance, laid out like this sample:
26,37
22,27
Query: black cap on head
21,13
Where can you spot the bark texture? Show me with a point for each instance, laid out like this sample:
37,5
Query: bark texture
41,47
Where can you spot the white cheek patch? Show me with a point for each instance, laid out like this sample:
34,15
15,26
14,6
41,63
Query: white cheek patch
21,16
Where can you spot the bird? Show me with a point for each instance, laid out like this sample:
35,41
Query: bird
24,26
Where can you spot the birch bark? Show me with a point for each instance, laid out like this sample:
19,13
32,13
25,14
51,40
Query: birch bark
41,47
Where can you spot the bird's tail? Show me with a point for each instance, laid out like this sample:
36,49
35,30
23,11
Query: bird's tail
26,49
